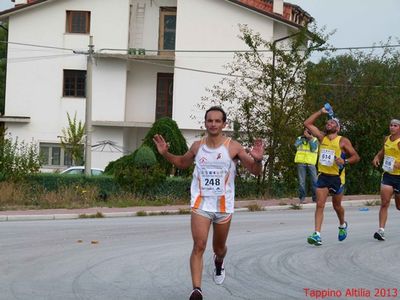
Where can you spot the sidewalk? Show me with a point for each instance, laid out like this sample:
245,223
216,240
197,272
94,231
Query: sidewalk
242,205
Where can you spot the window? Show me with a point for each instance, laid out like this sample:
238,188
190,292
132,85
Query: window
167,29
165,87
74,83
78,21
54,155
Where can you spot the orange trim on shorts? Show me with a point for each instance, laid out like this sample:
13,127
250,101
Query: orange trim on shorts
222,204
197,202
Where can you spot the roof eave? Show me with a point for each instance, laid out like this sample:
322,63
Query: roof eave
20,8
273,16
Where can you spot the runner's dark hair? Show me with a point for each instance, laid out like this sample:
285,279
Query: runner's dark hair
216,108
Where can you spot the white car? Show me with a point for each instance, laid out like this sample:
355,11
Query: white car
81,170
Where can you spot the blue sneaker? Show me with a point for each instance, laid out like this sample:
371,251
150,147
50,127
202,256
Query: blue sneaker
342,233
314,239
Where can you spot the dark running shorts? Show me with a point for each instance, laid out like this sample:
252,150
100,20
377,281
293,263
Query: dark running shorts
392,180
332,182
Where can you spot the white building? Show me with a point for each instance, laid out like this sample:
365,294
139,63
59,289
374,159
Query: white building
131,87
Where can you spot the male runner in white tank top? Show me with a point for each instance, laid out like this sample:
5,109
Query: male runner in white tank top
212,189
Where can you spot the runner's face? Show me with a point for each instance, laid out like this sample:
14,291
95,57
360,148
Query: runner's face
214,123
394,128
331,126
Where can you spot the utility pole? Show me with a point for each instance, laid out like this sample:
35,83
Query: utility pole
88,114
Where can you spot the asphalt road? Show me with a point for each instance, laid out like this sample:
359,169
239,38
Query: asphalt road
147,258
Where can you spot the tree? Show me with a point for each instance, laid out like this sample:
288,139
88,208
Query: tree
364,90
177,143
71,139
264,93
137,172
3,65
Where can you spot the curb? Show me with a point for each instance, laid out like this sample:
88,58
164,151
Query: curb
3,218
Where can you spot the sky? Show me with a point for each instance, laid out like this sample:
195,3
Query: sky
4,4
357,22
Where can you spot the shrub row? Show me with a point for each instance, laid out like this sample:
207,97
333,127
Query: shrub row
60,191
173,188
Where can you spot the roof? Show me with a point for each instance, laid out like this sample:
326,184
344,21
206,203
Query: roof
21,7
292,14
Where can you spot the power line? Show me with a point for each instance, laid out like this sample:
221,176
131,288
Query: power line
254,78
358,48
188,69
37,46
353,85
205,51
24,59
33,58
246,51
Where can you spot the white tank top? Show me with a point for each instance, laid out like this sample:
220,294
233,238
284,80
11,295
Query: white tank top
213,184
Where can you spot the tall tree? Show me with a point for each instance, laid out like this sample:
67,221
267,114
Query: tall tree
264,93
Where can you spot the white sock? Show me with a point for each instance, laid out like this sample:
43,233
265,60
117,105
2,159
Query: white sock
318,233
343,225
382,229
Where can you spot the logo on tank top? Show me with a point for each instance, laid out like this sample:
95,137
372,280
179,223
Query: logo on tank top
219,155
202,160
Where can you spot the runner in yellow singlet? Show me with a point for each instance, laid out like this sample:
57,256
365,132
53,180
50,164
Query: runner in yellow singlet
390,184
335,152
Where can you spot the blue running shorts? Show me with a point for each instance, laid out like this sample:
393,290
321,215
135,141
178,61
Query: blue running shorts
332,182
391,180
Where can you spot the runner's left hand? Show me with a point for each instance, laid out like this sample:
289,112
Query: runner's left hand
257,150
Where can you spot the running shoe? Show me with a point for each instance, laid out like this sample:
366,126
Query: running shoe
342,232
196,294
219,271
314,239
379,235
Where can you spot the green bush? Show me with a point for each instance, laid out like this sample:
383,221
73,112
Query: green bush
174,188
144,158
140,181
17,159
354,186
174,137
121,163
137,172
53,182
177,145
